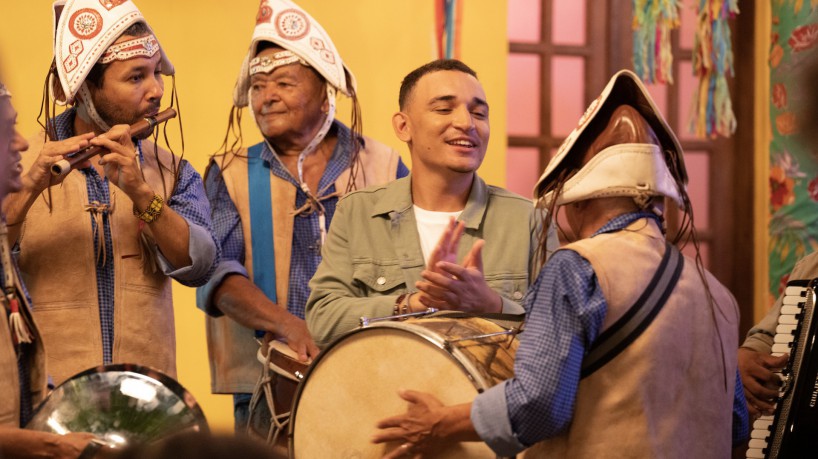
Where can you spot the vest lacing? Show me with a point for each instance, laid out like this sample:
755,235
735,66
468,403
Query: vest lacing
98,210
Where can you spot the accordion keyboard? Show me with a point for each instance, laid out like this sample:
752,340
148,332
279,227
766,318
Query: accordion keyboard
775,436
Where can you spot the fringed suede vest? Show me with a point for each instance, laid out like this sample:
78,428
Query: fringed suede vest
59,268
232,347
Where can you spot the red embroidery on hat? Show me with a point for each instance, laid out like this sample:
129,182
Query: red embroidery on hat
111,4
292,24
85,24
318,45
70,62
328,56
264,13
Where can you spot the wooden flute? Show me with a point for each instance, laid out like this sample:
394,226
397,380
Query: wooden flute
141,130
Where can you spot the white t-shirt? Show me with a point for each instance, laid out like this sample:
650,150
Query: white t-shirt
430,227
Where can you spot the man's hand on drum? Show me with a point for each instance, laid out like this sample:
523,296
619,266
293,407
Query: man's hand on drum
760,383
448,285
295,333
425,426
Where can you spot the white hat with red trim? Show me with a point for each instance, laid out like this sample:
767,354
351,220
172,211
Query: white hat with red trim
287,25
84,31
625,169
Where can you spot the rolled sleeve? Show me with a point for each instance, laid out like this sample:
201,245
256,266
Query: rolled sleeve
229,236
512,307
204,294
191,203
202,251
492,425
760,337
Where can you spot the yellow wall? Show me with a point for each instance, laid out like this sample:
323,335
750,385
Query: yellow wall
381,41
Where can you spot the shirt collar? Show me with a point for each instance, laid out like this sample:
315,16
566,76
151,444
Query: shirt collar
397,197
621,222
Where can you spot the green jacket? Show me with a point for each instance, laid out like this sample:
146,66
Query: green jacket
372,253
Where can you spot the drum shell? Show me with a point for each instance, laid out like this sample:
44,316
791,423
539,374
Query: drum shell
355,381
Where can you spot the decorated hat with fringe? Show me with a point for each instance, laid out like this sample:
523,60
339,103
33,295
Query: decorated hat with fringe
83,31
287,25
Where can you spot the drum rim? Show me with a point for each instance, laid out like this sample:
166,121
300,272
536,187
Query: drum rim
184,395
276,369
454,353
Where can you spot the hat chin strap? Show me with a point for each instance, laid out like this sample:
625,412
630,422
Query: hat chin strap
87,111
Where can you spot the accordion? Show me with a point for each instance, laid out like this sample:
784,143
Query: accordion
793,430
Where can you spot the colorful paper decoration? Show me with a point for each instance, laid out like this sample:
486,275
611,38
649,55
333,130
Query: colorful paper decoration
653,21
448,17
711,112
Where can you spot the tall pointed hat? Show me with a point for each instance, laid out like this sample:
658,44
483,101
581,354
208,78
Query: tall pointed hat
287,25
84,30
649,163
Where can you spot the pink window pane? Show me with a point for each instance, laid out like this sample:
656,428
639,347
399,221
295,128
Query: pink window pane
704,249
567,93
698,188
568,22
686,85
524,20
688,26
523,94
658,92
522,169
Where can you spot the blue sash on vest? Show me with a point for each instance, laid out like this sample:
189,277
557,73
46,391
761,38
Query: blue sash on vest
261,224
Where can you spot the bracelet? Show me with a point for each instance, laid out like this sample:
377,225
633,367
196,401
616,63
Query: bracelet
154,210
396,310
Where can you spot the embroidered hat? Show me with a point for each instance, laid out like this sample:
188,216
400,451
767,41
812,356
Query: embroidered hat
627,168
84,30
287,25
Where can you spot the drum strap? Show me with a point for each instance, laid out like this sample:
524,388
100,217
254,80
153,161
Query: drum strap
631,325
261,224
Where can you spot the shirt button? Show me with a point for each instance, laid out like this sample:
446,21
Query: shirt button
517,295
381,280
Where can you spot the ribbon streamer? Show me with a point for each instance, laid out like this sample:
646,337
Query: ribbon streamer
448,18
653,22
711,112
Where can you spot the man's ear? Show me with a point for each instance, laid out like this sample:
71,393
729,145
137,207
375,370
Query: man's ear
400,123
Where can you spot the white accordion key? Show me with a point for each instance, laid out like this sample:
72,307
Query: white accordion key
786,329
782,348
756,443
782,319
755,453
792,299
760,434
794,291
790,310
763,422
783,338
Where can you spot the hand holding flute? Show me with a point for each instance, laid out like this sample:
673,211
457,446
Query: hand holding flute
141,129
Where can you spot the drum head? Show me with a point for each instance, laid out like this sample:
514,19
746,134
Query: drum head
121,404
354,383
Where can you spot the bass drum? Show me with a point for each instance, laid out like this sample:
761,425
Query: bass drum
122,404
354,382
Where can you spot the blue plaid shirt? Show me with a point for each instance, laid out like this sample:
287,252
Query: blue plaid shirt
306,245
189,201
565,308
